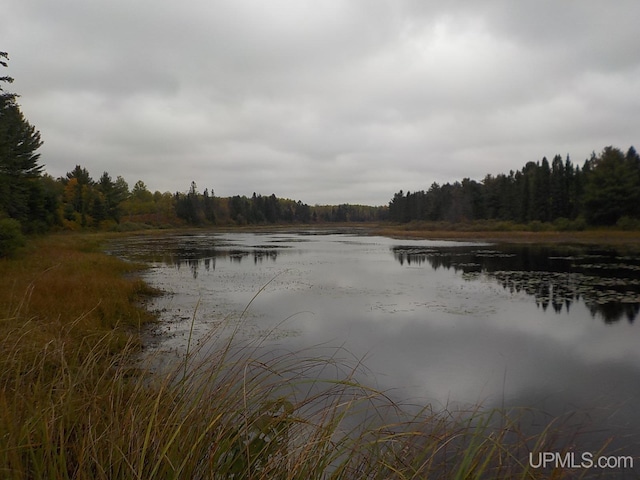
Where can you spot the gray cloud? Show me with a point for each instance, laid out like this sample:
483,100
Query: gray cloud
326,102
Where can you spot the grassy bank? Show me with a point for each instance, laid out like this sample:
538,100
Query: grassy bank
505,232
73,406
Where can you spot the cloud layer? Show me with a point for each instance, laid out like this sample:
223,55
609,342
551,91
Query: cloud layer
326,102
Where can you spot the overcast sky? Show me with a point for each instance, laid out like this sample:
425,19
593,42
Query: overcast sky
330,101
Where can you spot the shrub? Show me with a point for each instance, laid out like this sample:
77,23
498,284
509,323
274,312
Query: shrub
11,237
628,223
563,224
537,226
580,223
130,227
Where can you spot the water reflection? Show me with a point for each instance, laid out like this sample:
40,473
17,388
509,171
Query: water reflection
235,256
607,281
438,322
192,251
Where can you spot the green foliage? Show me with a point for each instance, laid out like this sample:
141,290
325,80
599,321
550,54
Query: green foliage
566,225
5,97
628,223
342,213
130,227
612,187
261,439
22,195
110,196
20,140
191,207
604,190
140,193
537,226
11,238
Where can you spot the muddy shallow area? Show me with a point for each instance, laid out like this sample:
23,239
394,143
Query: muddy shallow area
440,322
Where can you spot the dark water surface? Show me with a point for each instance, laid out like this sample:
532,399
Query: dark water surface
447,323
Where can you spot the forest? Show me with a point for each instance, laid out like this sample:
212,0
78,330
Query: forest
76,201
604,191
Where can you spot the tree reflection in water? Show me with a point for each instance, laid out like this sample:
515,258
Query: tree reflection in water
607,281
235,256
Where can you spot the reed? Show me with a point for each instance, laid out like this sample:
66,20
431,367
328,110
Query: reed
77,400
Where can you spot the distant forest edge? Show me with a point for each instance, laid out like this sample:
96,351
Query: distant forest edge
604,191
108,204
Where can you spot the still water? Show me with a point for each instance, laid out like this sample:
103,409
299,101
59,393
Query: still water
444,323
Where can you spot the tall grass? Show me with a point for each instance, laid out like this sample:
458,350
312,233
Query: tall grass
74,403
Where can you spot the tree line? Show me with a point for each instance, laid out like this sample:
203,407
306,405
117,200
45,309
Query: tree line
604,191
77,201
205,208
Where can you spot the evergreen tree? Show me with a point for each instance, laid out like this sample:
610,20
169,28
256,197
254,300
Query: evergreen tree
239,209
141,193
431,204
612,188
491,196
6,97
208,206
21,194
79,194
604,190
112,194
571,174
257,211
194,210
396,207
542,191
559,189
633,164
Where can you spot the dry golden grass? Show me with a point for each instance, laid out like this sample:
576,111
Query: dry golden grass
64,285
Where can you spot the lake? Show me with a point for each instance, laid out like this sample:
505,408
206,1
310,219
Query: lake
450,324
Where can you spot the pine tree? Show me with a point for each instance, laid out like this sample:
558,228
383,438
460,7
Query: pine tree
79,193
559,189
113,194
19,167
612,188
208,206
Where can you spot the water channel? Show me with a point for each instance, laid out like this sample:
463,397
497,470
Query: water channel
445,323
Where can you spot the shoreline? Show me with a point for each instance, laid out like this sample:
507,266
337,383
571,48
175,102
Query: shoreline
586,237
602,237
